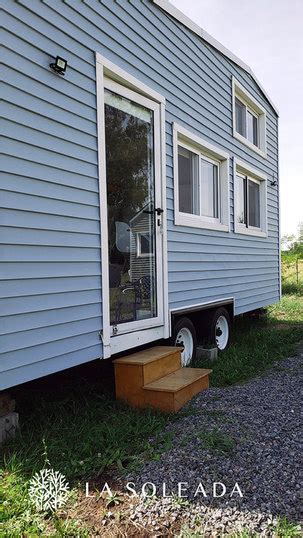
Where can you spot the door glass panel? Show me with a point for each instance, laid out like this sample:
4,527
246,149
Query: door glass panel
129,134
209,189
254,204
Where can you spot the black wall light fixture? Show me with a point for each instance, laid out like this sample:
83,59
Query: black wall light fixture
274,181
59,65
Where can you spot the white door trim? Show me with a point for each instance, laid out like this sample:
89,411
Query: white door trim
106,72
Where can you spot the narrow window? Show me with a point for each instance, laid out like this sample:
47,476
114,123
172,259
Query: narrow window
248,202
240,117
252,128
188,163
246,122
253,204
241,200
209,189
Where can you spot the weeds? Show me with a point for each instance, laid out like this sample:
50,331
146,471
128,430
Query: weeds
217,440
286,529
257,344
74,425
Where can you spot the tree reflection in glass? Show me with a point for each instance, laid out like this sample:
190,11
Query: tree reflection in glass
130,196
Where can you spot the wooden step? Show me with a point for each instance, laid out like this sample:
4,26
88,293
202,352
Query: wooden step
138,369
172,391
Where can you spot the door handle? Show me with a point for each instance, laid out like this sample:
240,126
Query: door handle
158,210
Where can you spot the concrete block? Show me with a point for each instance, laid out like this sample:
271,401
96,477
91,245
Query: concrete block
8,426
207,354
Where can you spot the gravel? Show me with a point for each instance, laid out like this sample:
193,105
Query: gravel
246,434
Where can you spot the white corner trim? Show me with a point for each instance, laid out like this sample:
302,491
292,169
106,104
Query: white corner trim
103,212
191,25
244,168
167,327
194,142
123,77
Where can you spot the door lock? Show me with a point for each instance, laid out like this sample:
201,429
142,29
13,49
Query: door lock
159,212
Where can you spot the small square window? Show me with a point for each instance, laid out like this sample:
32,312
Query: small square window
198,184
144,245
201,182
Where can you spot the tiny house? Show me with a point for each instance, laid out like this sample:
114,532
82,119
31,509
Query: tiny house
139,185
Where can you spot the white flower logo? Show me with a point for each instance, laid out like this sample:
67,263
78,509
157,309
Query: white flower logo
48,490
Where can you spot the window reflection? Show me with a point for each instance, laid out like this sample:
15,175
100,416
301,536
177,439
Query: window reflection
130,196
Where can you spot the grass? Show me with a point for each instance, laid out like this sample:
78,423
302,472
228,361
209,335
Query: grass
82,431
217,441
258,343
283,529
73,421
292,274
286,529
85,433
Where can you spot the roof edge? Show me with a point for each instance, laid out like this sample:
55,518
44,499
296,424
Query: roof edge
191,25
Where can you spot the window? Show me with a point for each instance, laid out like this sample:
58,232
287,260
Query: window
209,188
198,184
250,201
201,182
249,119
144,245
188,164
247,122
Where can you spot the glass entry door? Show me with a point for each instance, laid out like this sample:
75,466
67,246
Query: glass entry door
134,238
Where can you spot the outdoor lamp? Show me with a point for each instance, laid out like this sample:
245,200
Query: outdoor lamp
59,65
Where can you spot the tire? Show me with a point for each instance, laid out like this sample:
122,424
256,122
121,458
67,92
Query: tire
219,328
184,334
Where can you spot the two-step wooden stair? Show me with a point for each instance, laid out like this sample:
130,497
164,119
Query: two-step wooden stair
154,378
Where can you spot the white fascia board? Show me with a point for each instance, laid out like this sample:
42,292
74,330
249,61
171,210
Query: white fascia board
191,25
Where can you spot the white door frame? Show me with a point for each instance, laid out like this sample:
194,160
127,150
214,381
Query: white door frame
108,75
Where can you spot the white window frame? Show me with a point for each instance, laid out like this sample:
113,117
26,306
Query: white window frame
185,138
257,110
141,254
243,169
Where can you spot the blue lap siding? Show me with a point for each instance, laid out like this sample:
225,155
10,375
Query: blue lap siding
50,271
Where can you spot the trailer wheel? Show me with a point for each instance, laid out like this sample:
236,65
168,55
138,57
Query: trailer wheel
184,334
219,328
